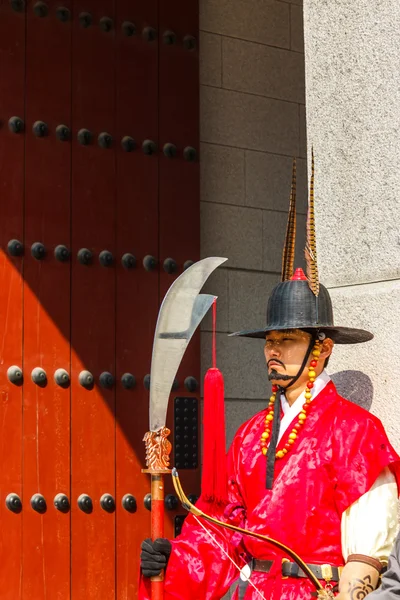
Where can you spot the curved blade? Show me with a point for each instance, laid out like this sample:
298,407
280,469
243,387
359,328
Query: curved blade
180,313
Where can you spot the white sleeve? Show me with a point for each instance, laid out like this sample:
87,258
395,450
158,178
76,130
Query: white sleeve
370,525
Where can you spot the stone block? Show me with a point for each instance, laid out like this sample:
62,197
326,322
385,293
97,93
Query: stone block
268,181
222,174
263,21
210,59
357,230
352,58
217,285
251,122
357,227
248,294
373,307
233,232
238,412
262,70
296,29
242,363
274,227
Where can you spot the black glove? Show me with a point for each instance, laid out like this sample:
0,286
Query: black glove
154,556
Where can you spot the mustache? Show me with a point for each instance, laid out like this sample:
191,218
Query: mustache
273,375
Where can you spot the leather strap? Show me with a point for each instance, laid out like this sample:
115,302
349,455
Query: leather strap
261,566
290,569
271,452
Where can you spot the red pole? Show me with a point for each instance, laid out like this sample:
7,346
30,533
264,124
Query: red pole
157,529
158,449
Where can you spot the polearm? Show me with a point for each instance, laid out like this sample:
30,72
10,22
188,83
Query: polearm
181,311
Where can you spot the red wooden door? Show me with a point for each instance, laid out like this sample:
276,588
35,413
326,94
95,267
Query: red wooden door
99,212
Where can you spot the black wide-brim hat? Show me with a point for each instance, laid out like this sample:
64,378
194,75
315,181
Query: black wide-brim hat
301,302
292,305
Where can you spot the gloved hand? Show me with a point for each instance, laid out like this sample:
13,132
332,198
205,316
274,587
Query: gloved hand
154,556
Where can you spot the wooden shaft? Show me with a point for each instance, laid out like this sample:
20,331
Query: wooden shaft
157,529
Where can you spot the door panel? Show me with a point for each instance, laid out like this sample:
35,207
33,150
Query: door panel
12,150
102,66
46,413
93,302
179,199
137,288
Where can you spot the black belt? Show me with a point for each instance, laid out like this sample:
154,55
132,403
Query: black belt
290,569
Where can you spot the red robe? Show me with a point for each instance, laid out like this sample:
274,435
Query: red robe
337,457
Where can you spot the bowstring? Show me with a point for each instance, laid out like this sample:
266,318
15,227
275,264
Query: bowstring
227,555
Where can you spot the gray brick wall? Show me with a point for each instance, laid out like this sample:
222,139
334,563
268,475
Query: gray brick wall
252,123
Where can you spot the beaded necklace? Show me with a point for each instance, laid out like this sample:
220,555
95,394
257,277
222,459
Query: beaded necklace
302,415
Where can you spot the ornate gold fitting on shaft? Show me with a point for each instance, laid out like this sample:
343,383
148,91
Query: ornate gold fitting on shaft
158,449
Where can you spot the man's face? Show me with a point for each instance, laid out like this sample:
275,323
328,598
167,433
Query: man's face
284,352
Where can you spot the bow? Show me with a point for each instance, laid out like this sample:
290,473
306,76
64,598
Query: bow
322,593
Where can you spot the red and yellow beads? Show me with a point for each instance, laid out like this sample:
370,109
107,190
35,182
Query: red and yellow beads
269,417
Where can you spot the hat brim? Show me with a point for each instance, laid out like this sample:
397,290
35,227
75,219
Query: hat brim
340,335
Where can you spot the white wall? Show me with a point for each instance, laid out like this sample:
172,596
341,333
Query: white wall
353,115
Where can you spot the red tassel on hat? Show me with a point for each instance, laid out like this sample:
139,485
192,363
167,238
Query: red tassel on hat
213,482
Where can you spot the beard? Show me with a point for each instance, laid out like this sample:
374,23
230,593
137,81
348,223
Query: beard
273,375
